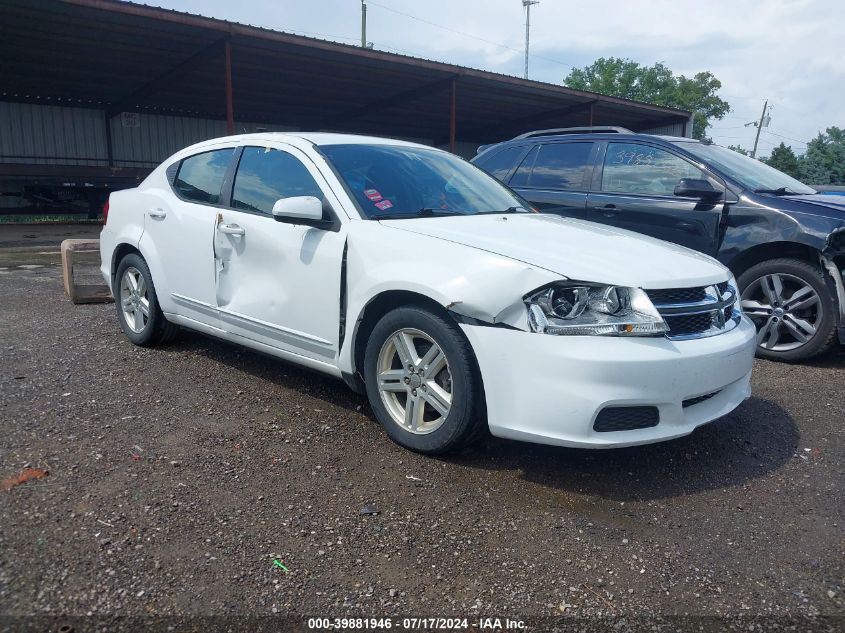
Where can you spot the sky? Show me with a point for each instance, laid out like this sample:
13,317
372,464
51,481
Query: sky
791,52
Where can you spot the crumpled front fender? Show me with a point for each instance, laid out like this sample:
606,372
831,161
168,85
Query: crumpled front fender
833,261
469,282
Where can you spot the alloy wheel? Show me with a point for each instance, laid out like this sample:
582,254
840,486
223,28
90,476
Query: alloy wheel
414,381
786,310
134,300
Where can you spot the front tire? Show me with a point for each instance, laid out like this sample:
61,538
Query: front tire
792,307
138,311
423,382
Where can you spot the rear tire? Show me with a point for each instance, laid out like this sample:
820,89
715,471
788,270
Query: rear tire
792,307
423,381
138,311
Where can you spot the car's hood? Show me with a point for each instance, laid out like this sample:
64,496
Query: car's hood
576,249
834,203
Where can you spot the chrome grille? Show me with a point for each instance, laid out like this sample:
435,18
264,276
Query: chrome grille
676,295
689,323
697,312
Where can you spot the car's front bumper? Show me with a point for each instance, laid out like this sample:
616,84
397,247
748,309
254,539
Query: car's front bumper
549,389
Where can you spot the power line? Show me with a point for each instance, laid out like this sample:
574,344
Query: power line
788,138
732,127
462,33
329,36
775,108
736,117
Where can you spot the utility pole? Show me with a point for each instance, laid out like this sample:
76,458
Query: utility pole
763,122
527,4
363,24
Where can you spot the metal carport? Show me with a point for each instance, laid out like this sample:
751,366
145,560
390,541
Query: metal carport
116,57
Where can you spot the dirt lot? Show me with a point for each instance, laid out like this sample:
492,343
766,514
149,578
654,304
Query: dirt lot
177,476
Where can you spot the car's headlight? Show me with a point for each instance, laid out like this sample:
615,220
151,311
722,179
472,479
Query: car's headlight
584,309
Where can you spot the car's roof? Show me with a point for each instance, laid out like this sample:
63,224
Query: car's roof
332,138
588,136
599,135
678,139
315,138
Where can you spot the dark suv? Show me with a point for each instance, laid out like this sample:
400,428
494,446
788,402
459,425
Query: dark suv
783,241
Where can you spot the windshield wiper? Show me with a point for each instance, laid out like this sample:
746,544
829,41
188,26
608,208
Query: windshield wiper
780,191
429,212
425,212
508,210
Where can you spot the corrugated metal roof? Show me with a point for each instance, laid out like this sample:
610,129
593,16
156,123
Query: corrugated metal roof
351,47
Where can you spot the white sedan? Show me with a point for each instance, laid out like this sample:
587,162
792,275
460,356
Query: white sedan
431,287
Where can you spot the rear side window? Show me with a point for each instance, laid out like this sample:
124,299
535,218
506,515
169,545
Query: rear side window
266,175
499,164
200,177
558,166
520,178
645,170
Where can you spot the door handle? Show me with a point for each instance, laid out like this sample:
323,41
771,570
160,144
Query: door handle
230,229
608,210
157,214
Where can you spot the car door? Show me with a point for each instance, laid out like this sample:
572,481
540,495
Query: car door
279,283
555,177
179,230
634,189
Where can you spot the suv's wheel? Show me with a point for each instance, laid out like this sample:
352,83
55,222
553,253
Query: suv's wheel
138,311
790,304
423,382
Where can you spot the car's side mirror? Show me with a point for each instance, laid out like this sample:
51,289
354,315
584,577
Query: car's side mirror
697,188
305,210
298,208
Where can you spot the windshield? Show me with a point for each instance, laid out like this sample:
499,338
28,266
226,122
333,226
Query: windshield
391,181
750,173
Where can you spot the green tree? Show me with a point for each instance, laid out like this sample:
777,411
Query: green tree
739,148
824,161
784,159
656,84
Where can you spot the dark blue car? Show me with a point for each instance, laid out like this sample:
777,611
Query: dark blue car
784,241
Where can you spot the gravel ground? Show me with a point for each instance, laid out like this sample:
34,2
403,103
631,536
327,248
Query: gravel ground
178,475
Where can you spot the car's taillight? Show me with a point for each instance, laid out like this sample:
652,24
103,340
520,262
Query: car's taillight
106,212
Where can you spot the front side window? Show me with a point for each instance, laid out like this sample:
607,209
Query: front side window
560,166
645,170
266,175
750,173
200,177
397,181
499,164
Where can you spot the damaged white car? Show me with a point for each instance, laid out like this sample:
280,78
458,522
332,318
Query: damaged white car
427,284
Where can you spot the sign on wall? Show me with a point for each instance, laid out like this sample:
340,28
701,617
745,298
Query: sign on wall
130,119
